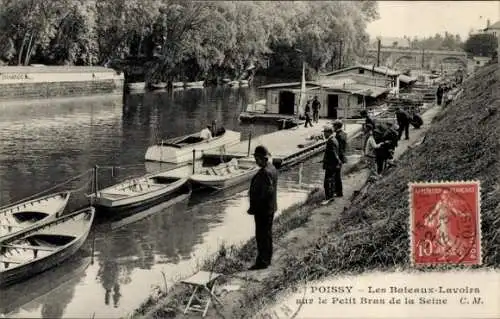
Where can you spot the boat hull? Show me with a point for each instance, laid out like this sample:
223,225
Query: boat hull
140,202
195,84
15,274
175,155
224,181
53,213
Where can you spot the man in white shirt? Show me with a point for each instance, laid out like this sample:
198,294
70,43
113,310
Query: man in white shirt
206,133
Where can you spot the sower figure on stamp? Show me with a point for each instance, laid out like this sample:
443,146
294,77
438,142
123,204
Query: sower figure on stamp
439,218
263,205
331,164
341,138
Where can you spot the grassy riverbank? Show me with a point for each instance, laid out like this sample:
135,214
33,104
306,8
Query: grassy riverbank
371,230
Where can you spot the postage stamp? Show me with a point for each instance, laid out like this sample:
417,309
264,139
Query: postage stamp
445,223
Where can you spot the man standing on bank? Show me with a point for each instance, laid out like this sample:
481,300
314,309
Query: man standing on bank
341,138
403,119
316,106
331,164
263,205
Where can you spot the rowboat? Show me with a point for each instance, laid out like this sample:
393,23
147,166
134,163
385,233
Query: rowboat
177,202
180,149
158,86
44,246
135,192
195,84
225,175
178,84
19,217
137,86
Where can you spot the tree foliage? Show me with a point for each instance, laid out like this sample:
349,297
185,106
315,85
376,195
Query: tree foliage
481,45
446,41
184,37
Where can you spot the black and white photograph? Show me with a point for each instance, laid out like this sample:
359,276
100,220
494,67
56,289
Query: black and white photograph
249,159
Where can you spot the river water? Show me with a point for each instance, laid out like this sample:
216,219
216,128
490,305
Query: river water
45,143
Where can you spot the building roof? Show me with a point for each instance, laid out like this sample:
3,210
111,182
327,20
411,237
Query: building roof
356,88
285,85
376,69
494,26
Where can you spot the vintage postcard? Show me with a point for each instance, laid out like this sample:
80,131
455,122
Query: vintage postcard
249,159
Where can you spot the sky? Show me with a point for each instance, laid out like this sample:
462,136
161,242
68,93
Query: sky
426,18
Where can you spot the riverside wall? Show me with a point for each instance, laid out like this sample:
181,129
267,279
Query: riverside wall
18,83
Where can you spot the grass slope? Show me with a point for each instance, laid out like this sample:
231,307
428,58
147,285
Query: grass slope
463,144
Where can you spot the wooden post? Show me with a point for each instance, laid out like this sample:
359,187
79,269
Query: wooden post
301,167
93,249
249,142
96,188
378,51
194,160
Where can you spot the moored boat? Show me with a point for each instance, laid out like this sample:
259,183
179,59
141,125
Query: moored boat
225,175
18,217
180,149
137,86
195,84
132,193
244,82
42,247
158,86
178,84
233,83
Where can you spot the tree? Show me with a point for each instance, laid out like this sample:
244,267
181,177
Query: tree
481,45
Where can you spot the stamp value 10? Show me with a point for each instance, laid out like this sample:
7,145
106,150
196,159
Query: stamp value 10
445,223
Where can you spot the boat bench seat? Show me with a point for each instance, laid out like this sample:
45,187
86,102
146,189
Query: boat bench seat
40,248
10,261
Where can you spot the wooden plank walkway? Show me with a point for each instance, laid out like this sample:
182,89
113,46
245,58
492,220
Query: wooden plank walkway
287,147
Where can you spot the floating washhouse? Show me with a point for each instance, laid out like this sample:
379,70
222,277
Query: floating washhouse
342,94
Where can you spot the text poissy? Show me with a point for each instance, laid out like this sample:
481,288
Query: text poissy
331,289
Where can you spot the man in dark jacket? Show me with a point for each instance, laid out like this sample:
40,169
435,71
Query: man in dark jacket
316,106
439,94
307,113
331,164
341,138
403,119
263,205
368,119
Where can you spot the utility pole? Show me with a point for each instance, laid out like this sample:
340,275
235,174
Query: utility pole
423,58
340,55
378,51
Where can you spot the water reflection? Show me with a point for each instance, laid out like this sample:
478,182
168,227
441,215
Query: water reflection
130,252
59,283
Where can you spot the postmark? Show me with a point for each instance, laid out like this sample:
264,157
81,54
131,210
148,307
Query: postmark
445,223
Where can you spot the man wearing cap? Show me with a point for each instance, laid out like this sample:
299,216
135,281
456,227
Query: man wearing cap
341,138
263,205
331,164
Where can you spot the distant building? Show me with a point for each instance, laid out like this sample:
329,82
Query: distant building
495,30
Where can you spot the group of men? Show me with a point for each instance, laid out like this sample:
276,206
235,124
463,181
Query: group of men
379,145
264,184
315,105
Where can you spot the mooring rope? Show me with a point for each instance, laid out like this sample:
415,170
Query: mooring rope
48,190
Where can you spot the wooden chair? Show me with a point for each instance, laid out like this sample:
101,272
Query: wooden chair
202,282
